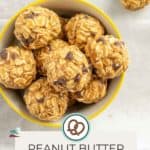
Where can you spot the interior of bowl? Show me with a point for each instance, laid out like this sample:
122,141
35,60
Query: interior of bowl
65,8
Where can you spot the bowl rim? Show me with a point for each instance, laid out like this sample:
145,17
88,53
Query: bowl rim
89,117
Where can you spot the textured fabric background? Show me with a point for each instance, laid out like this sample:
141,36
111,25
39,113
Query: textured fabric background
131,109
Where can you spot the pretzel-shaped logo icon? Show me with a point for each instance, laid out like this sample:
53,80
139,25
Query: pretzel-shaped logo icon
76,127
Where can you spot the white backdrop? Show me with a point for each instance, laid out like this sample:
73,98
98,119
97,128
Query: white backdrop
131,109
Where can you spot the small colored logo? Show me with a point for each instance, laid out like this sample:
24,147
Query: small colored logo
76,127
14,133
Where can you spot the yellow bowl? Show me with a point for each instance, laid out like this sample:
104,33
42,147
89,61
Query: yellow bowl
62,7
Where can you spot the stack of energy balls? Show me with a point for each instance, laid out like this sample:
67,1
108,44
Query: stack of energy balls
60,61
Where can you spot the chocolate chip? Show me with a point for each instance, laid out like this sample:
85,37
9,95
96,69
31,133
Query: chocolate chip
84,69
94,71
86,16
61,81
91,67
77,78
28,16
119,43
3,54
123,43
93,34
26,42
101,39
116,66
13,56
78,94
31,15
69,56
41,100
49,47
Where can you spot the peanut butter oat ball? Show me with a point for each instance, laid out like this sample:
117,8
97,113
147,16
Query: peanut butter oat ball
44,103
135,4
81,27
42,54
68,69
17,67
108,55
93,93
36,27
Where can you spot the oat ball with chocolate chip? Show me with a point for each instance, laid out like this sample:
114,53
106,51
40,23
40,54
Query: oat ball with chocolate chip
93,93
42,54
17,67
36,27
68,69
81,27
43,102
135,4
108,55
